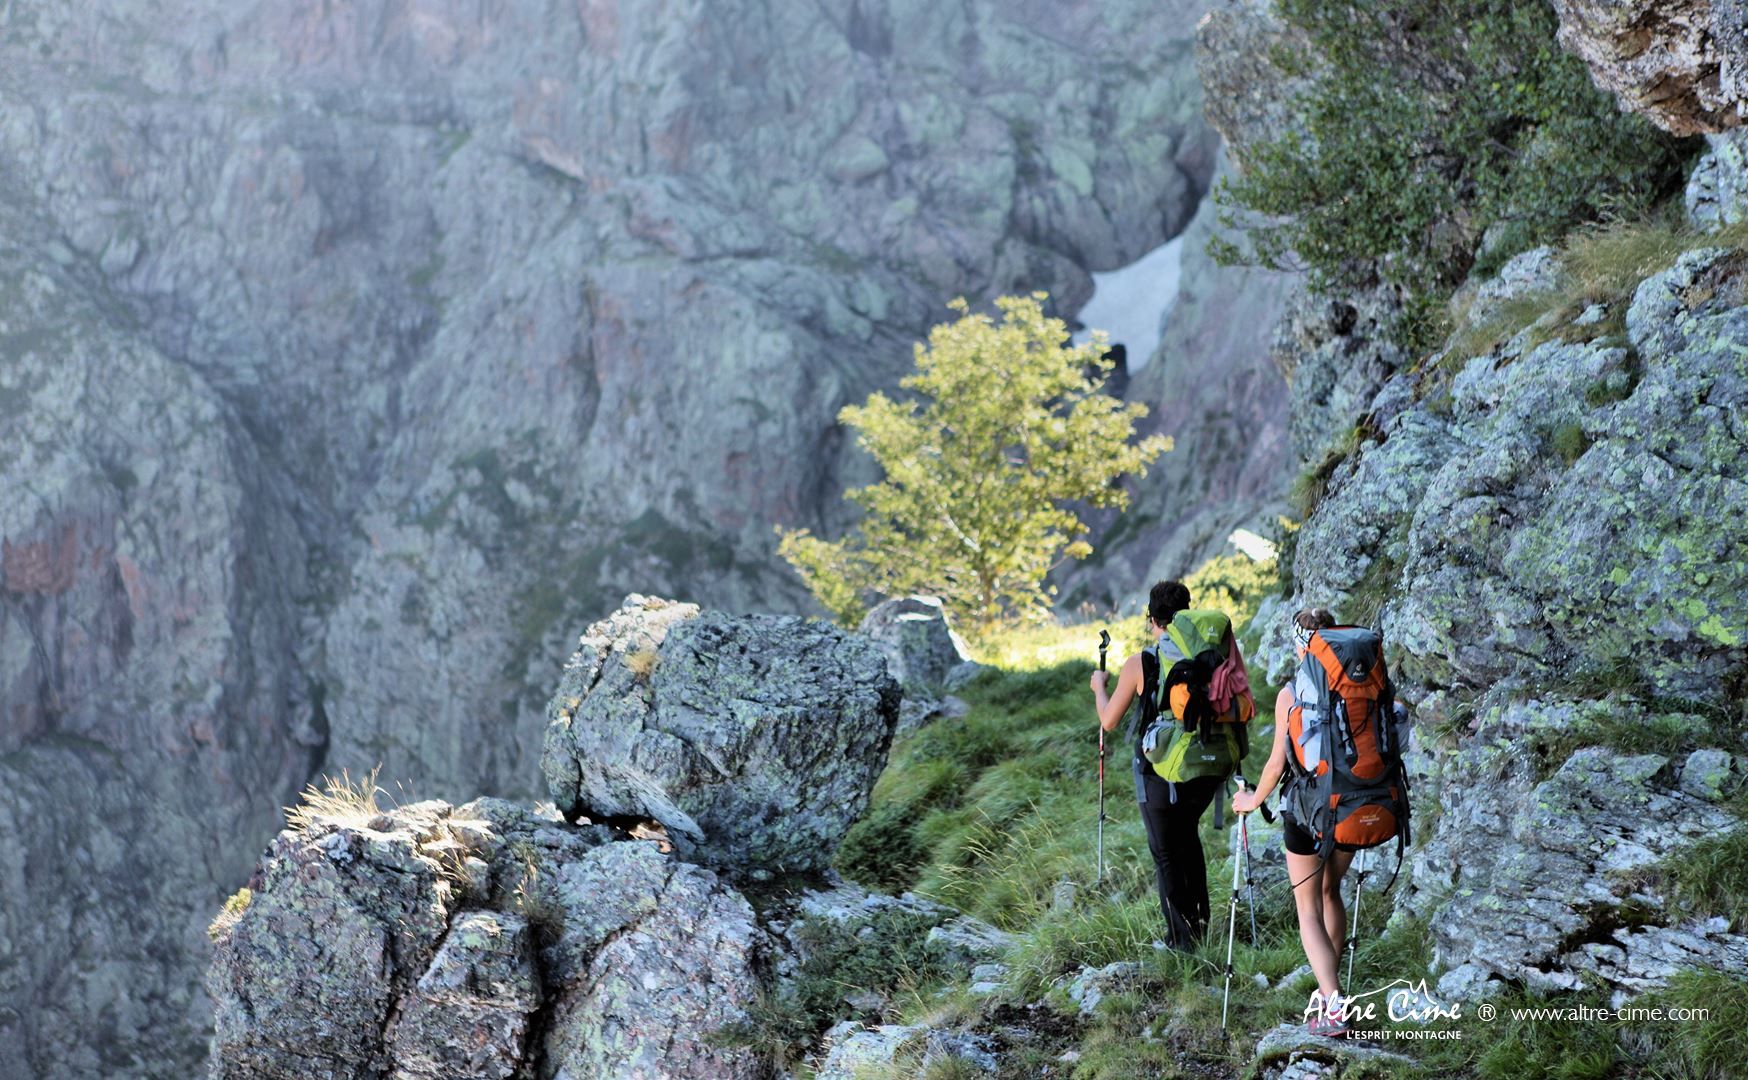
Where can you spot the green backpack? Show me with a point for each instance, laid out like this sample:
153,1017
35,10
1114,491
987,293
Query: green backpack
1201,744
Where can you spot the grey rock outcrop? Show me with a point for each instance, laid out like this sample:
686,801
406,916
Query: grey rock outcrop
916,1048
479,941
1523,276
1288,1052
1088,987
1717,189
1557,888
755,740
924,653
1549,524
1558,493
921,648
1682,63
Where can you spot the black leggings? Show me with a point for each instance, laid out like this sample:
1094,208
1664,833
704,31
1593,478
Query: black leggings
1179,870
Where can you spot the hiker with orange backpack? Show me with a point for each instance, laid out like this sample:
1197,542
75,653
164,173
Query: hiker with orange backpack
1346,791
1193,698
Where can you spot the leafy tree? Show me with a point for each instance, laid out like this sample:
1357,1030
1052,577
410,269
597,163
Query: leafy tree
1436,136
1007,426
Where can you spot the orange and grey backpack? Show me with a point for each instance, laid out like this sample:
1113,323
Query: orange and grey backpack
1349,784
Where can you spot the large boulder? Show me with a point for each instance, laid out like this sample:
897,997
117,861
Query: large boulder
924,654
921,649
755,740
481,941
1682,63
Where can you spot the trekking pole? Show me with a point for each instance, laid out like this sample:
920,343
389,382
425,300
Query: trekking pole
1249,873
1353,939
1104,644
1249,877
1231,928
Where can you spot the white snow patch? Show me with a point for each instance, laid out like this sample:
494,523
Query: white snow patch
1131,304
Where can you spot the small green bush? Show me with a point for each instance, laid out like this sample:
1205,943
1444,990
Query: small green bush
1570,441
231,913
1426,126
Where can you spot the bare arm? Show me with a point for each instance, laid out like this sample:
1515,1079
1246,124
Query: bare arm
1111,709
1245,801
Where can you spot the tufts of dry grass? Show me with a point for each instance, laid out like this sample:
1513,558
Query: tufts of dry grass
1601,264
230,914
339,799
643,663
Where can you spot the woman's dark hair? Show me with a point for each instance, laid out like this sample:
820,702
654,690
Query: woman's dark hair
1315,618
1166,599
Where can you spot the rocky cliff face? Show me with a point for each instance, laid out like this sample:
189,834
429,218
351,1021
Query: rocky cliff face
352,354
1562,583
1547,534
1215,385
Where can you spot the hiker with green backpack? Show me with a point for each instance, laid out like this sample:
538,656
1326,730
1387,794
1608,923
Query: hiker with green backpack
1346,791
1193,702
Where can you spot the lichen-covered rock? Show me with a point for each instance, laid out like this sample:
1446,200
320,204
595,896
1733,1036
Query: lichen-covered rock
1682,63
482,941
1289,1052
1542,881
921,648
345,922
1564,509
468,1015
914,1047
755,740
655,956
1557,520
1717,188
1709,773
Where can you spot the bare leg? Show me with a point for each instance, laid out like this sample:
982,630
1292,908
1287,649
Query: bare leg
1307,873
1334,911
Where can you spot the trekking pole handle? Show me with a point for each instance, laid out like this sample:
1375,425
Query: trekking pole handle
1104,644
1267,815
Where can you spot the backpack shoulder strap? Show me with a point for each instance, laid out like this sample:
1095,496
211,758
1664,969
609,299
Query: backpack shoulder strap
1147,700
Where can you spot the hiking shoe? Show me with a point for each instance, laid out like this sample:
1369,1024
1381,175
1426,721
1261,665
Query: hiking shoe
1329,1023
1328,1028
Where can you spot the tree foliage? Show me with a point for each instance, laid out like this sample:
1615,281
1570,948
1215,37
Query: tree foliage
1437,136
1005,428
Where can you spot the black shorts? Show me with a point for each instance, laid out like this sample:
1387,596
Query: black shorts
1300,842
